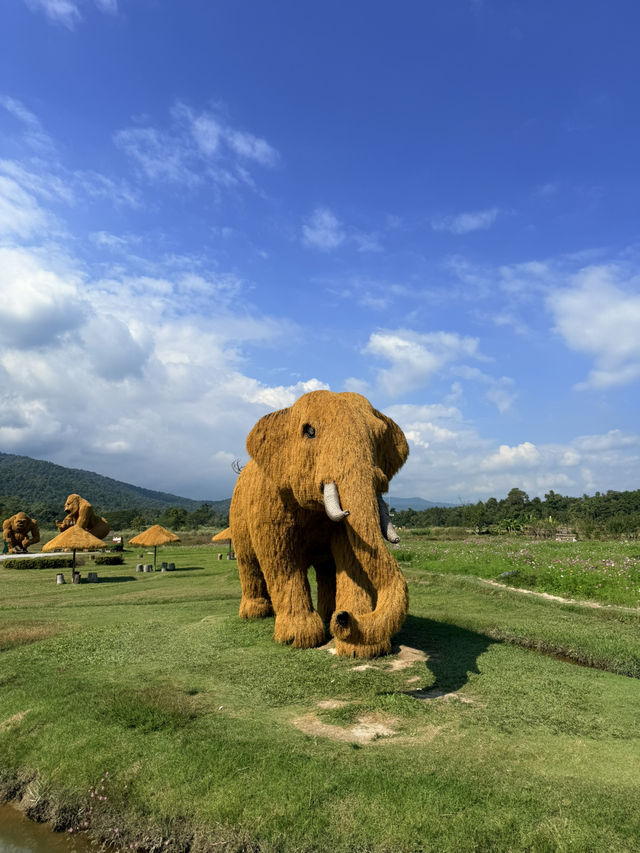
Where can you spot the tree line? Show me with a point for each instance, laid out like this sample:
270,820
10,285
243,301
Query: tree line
602,514
135,518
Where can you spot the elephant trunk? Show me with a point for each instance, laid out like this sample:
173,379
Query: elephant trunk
372,597
335,512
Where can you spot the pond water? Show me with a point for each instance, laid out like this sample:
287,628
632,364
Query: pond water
18,834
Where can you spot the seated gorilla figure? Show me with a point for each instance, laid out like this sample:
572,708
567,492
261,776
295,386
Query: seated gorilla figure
80,512
20,532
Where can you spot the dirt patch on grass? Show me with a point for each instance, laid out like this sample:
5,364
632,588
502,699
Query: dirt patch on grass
430,693
23,633
14,720
367,728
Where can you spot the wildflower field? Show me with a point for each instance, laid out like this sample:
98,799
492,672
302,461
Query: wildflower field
140,713
602,571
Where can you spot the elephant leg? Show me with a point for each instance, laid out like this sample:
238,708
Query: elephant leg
255,602
296,620
326,580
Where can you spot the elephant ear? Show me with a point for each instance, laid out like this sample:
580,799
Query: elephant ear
393,449
267,444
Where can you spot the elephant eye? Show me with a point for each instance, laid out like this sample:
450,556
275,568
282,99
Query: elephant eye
309,431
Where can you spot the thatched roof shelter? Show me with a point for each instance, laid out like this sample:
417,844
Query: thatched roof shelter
154,536
74,539
222,537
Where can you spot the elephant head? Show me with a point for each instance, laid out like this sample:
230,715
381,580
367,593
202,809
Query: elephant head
334,454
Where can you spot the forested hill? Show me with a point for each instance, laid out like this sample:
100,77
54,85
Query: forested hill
35,482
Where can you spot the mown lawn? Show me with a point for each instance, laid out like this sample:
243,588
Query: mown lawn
142,711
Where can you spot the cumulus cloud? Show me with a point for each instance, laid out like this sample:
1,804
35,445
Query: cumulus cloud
155,393
416,357
465,223
525,454
450,461
38,305
599,314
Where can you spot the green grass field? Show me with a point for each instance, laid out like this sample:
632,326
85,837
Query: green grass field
142,711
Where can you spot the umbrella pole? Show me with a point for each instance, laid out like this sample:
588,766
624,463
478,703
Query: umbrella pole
73,564
155,548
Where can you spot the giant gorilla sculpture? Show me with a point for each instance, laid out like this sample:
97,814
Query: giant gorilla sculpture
20,532
325,452
80,512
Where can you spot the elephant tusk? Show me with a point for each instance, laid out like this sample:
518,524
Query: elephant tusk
332,502
388,530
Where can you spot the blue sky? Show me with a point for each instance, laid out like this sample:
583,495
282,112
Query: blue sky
207,209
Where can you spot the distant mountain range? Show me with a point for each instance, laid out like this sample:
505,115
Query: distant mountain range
37,481
413,503
34,480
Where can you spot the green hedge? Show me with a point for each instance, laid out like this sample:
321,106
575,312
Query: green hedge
109,560
38,563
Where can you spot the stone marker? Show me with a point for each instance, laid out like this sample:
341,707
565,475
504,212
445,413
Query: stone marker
76,577
171,567
92,577
148,568
60,578
139,568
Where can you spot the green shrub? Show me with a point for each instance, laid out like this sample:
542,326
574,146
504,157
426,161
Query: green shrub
109,560
403,556
38,563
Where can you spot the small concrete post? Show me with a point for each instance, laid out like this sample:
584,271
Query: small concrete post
60,578
139,568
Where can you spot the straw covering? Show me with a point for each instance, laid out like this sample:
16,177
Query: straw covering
74,538
155,535
223,536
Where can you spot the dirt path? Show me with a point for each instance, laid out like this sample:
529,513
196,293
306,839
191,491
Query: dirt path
547,595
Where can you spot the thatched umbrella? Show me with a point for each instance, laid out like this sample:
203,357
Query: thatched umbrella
222,537
155,535
74,538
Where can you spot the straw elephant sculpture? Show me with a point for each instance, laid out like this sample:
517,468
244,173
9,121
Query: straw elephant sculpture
311,495
79,511
20,532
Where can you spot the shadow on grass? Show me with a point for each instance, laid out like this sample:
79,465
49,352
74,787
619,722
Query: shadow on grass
189,569
453,652
112,579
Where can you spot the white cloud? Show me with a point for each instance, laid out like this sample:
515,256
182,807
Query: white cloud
525,454
450,461
599,314
34,135
416,357
323,230
64,12
465,223
67,12
196,147
38,305
20,214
